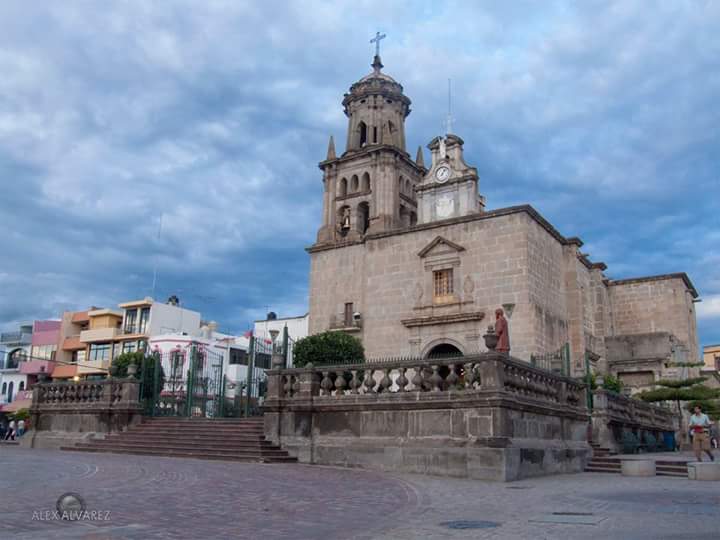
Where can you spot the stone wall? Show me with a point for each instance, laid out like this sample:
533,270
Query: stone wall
658,304
614,415
486,416
66,412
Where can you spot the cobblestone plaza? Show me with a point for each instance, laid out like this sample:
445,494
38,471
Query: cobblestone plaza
151,497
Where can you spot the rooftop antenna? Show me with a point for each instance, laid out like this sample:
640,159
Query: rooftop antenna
154,281
449,120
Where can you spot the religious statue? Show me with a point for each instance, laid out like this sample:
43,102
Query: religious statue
501,329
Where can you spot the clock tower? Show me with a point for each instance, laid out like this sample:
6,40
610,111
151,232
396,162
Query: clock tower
370,187
450,188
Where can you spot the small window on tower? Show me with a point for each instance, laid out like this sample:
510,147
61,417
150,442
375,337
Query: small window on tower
363,134
443,286
375,139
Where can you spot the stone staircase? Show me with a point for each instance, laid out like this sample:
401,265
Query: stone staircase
226,439
606,461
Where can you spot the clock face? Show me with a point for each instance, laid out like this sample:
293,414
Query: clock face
444,207
442,174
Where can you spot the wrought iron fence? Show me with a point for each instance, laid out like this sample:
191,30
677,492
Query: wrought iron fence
556,361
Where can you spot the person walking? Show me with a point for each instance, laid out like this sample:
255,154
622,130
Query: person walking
21,427
10,436
700,428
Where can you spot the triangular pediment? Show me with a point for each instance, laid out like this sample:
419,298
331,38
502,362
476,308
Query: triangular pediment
440,246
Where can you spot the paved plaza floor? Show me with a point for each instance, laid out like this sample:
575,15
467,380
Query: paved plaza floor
141,497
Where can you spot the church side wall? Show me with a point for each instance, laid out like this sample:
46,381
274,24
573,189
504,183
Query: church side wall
655,306
547,290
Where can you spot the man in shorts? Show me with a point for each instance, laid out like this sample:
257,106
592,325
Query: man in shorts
700,428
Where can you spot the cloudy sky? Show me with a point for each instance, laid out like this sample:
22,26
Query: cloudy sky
603,115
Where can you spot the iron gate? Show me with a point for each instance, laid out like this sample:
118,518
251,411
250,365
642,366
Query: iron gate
183,383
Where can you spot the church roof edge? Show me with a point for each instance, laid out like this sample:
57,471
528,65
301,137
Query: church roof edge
659,277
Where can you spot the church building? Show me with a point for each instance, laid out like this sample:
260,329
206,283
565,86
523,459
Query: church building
409,259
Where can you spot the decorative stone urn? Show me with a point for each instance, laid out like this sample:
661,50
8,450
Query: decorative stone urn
491,338
132,370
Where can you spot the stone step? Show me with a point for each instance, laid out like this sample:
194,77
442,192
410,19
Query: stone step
601,469
211,449
180,437
220,422
196,455
198,432
259,446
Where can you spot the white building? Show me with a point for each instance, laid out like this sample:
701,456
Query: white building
297,329
15,349
218,351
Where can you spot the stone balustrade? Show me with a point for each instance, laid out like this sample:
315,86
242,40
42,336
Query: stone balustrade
467,374
64,412
483,416
614,415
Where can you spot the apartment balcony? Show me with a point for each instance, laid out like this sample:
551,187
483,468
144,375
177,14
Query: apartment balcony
16,338
134,329
35,367
99,334
87,367
73,343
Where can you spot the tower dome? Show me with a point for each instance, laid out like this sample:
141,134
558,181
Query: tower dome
376,108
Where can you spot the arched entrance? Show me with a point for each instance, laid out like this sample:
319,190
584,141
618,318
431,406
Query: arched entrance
444,350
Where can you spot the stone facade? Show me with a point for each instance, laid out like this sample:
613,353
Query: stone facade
408,259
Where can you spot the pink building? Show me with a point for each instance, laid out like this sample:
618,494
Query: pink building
45,338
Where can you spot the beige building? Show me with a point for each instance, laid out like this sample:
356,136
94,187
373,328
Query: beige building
409,260
89,340
711,357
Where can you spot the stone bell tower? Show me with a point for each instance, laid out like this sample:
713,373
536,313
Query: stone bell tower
370,187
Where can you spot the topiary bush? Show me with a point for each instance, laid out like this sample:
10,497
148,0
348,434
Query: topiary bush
327,349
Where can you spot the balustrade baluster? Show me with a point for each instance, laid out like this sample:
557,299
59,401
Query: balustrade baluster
401,380
469,375
436,380
340,383
452,378
369,381
354,382
326,384
417,379
385,382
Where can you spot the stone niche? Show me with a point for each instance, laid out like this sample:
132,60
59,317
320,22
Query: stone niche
490,417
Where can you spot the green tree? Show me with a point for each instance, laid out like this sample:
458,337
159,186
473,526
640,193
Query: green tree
119,369
612,383
328,348
689,390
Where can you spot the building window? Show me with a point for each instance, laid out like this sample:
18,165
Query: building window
129,347
443,285
43,352
4,388
348,315
144,318
262,360
22,386
78,356
131,321
100,352
238,357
